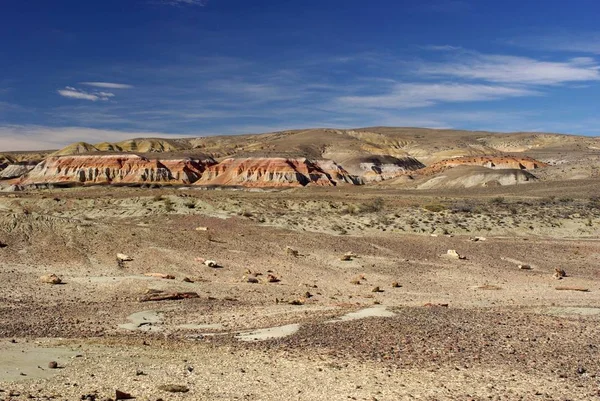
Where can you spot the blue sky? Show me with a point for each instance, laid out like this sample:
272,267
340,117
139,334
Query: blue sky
99,70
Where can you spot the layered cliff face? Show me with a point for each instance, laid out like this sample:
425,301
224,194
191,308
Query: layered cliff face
15,170
275,172
491,162
114,169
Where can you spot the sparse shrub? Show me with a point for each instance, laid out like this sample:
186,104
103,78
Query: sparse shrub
374,206
462,207
168,204
434,207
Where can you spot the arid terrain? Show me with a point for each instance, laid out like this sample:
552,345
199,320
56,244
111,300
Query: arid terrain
373,264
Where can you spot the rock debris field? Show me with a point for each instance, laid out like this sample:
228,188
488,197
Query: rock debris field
312,294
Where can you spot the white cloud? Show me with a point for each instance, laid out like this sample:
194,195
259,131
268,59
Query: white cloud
411,95
441,48
513,69
75,93
34,137
107,85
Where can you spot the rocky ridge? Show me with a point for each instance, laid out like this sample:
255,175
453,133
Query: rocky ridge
295,158
114,169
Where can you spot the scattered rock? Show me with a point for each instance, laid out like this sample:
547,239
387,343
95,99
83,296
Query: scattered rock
453,254
160,275
296,302
3,244
201,228
51,279
477,239
252,280
376,289
291,251
429,304
173,388
52,365
140,373
124,258
211,263
168,296
525,267
121,395
580,289
308,295
272,278
355,282
348,256
488,287
395,284
187,280
559,273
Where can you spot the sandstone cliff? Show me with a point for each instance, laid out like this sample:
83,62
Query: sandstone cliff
114,169
492,162
275,172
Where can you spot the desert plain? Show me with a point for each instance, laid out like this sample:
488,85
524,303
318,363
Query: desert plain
413,279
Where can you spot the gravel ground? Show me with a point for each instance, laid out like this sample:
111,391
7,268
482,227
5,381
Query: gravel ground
504,333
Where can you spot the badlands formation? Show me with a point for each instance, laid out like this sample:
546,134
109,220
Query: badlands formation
316,157
367,264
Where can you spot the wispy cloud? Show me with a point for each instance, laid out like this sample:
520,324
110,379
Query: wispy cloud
513,69
441,48
107,85
412,95
75,93
33,137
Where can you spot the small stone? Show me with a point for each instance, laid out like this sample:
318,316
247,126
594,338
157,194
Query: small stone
252,280
211,263
272,278
140,373
121,395
376,289
581,370
395,284
52,365
51,279
124,258
525,267
308,295
559,273
453,254
173,388
355,282
201,228
187,280
291,251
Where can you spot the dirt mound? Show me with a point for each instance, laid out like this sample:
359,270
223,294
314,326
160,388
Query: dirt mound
476,176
